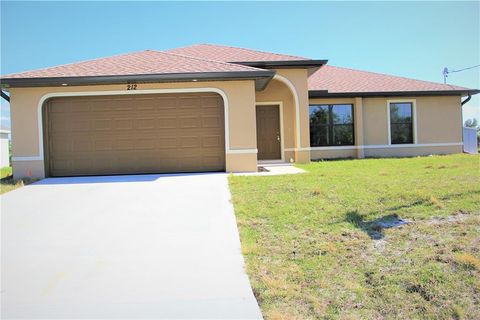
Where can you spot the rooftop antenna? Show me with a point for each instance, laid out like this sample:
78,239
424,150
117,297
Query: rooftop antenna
446,71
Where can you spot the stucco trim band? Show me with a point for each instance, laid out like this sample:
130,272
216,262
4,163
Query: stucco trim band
237,151
381,146
298,149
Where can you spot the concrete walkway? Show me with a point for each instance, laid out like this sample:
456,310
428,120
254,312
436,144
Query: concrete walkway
124,247
273,169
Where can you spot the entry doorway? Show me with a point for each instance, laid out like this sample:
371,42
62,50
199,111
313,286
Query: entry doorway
269,133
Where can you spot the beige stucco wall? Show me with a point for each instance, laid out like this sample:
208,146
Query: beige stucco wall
278,90
299,78
375,121
333,154
438,121
242,125
411,151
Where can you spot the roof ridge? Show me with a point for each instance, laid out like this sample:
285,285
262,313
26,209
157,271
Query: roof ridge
207,60
185,46
267,52
239,48
402,77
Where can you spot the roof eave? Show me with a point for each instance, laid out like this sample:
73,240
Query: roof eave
326,94
261,77
290,64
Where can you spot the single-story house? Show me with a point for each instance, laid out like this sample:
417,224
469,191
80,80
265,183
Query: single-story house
219,108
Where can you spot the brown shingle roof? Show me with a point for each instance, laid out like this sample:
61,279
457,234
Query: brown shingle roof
212,62
337,80
232,54
138,63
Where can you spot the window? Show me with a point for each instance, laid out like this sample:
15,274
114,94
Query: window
331,125
401,122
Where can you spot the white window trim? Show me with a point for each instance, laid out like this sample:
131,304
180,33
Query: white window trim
414,113
40,156
346,147
280,109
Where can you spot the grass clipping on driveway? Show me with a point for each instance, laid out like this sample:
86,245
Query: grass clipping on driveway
364,239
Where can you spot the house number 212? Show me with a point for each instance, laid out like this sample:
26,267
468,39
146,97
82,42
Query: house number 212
132,86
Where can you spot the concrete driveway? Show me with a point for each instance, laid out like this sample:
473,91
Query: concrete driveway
129,247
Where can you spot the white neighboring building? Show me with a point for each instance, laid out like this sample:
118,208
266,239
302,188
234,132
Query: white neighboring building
470,143
4,152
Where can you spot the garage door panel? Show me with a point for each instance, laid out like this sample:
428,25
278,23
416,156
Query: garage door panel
145,123
167,143
60,147
58,106
102,124
167,101
145,144
210,101
189,122
126,163
60,165
211,122
84,164
190,142
82,146
103,108
135,134
124,144
80,125
58,126
211,141
122,104
80,107
123,124
145,104
101,165
167,122
190,102
103,145
187,110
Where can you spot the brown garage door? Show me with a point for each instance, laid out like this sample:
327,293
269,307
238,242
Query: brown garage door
135,134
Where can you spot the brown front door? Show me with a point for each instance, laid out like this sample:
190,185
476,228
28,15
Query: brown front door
152,133
268,133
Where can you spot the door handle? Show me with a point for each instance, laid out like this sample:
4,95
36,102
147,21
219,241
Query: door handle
278,137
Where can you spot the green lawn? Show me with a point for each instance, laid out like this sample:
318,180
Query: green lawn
315,247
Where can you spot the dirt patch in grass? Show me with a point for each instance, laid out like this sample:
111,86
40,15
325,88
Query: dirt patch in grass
469,261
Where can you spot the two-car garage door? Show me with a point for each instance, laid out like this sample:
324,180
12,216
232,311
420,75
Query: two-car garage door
129,134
